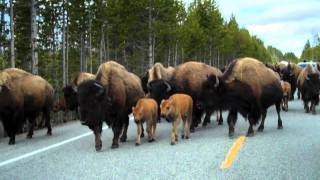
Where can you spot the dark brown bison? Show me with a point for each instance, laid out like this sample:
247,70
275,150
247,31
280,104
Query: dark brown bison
24,98
290,74
70,91
309,86
188,78
248,87
109,98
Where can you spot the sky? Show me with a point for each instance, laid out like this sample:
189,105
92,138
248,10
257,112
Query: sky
284,24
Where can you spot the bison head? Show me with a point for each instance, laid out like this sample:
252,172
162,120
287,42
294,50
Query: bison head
287,74
144,81
161,89
313,81
70,96
211,90
93,101
167,110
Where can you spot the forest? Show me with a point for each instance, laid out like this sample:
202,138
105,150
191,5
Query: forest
58,38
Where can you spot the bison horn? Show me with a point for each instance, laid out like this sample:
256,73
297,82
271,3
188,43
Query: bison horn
148,86
217,82
98,85
75,88
168,86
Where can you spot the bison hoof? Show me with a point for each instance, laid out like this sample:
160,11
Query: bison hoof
150,140
123,139
187,137
250,134
142,135
137,144
280,127
98,148
11,142
173,143
192,130
114,146
231,134
220,123
182,136
29,136
260,129
49,133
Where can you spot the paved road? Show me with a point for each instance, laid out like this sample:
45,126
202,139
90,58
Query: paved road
291,153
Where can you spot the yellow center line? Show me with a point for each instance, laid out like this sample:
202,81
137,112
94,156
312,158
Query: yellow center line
232,153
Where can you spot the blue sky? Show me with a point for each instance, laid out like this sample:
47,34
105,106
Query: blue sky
284,24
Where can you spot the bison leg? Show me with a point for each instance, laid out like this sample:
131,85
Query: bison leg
232,116
116,128
97,130
174,131
46,114
124,133
149,131
158,117
207,118
139,130
220,119
279,118
197,113
306,106
154,126
32,122
261,127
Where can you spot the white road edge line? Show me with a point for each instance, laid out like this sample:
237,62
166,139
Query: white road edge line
9,161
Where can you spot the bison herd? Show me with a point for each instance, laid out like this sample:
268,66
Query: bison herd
178,94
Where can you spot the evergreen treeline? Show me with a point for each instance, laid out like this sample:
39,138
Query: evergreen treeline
69,36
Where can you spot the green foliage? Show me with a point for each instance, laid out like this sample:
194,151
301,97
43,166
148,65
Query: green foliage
119,31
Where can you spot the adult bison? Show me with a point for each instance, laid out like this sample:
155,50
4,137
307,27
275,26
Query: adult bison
309,86
187,78
248,87
290,74
24,98
70,91
109,98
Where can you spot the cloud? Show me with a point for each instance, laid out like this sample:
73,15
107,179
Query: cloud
285,24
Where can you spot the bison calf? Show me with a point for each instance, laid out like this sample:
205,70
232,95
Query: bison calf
178,107
146,110
286,88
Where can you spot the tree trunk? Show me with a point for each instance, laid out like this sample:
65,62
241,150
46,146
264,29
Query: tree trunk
81,53
12,55
34,54
90,45
102,44
64,45
169,56
150,45
176,54
67,49
3,27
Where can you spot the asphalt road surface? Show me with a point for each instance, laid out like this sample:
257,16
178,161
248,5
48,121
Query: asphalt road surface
291,153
